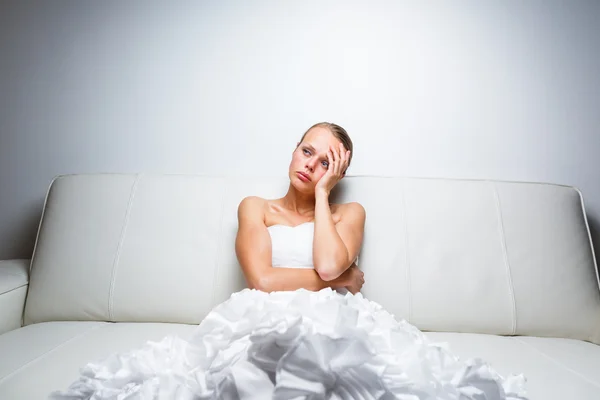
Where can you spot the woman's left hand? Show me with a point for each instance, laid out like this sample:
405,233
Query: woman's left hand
338,163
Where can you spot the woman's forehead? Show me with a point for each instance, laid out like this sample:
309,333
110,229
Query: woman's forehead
320,139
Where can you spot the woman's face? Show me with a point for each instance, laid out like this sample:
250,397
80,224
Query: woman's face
309,160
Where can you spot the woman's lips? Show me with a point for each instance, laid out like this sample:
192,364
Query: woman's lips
303,177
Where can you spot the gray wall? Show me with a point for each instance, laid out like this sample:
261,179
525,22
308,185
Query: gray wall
503,90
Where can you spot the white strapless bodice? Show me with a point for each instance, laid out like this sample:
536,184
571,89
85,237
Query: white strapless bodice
292,245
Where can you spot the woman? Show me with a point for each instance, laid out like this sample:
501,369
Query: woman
291,335
334,231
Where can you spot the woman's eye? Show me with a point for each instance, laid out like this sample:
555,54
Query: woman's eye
325,164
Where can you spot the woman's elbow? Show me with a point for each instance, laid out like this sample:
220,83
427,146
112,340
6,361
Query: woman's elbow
332,267
328,273
261,283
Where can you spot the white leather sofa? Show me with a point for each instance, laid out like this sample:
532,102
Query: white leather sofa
502,271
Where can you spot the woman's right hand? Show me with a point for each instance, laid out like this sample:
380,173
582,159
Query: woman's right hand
355,279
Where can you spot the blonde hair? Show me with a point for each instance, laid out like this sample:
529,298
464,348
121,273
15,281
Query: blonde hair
337,131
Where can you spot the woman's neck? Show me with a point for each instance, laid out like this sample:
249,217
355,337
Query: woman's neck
299,203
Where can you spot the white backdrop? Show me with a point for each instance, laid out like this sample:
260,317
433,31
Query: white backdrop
505,90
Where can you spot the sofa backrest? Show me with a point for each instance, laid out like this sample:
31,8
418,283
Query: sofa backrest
446,255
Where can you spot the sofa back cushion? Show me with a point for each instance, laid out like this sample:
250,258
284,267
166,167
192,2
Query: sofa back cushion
446,255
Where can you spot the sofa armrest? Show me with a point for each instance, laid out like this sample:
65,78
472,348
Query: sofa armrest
14,279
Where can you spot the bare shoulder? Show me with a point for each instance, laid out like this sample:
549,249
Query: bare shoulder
349,211
252,206
252,201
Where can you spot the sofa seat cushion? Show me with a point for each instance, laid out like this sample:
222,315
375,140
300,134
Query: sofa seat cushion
555,368
40,358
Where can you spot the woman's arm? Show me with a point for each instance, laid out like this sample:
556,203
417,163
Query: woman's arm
253,250
336,246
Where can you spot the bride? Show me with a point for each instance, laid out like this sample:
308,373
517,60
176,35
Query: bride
318,240
302,329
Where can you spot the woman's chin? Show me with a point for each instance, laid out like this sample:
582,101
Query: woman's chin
302,187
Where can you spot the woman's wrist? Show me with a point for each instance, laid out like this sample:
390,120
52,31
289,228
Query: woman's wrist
321,193
341,281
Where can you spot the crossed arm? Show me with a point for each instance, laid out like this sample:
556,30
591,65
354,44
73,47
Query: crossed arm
253,250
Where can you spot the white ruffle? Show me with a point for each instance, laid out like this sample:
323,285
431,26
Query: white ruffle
294,345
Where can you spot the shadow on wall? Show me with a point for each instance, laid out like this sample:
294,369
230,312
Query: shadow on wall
25,232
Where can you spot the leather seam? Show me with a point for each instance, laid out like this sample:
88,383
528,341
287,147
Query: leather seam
26,315
589,237
46,353
41,223
555,361
13,289
511,287
113,275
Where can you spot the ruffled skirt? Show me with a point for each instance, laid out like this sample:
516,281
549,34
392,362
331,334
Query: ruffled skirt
294,345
